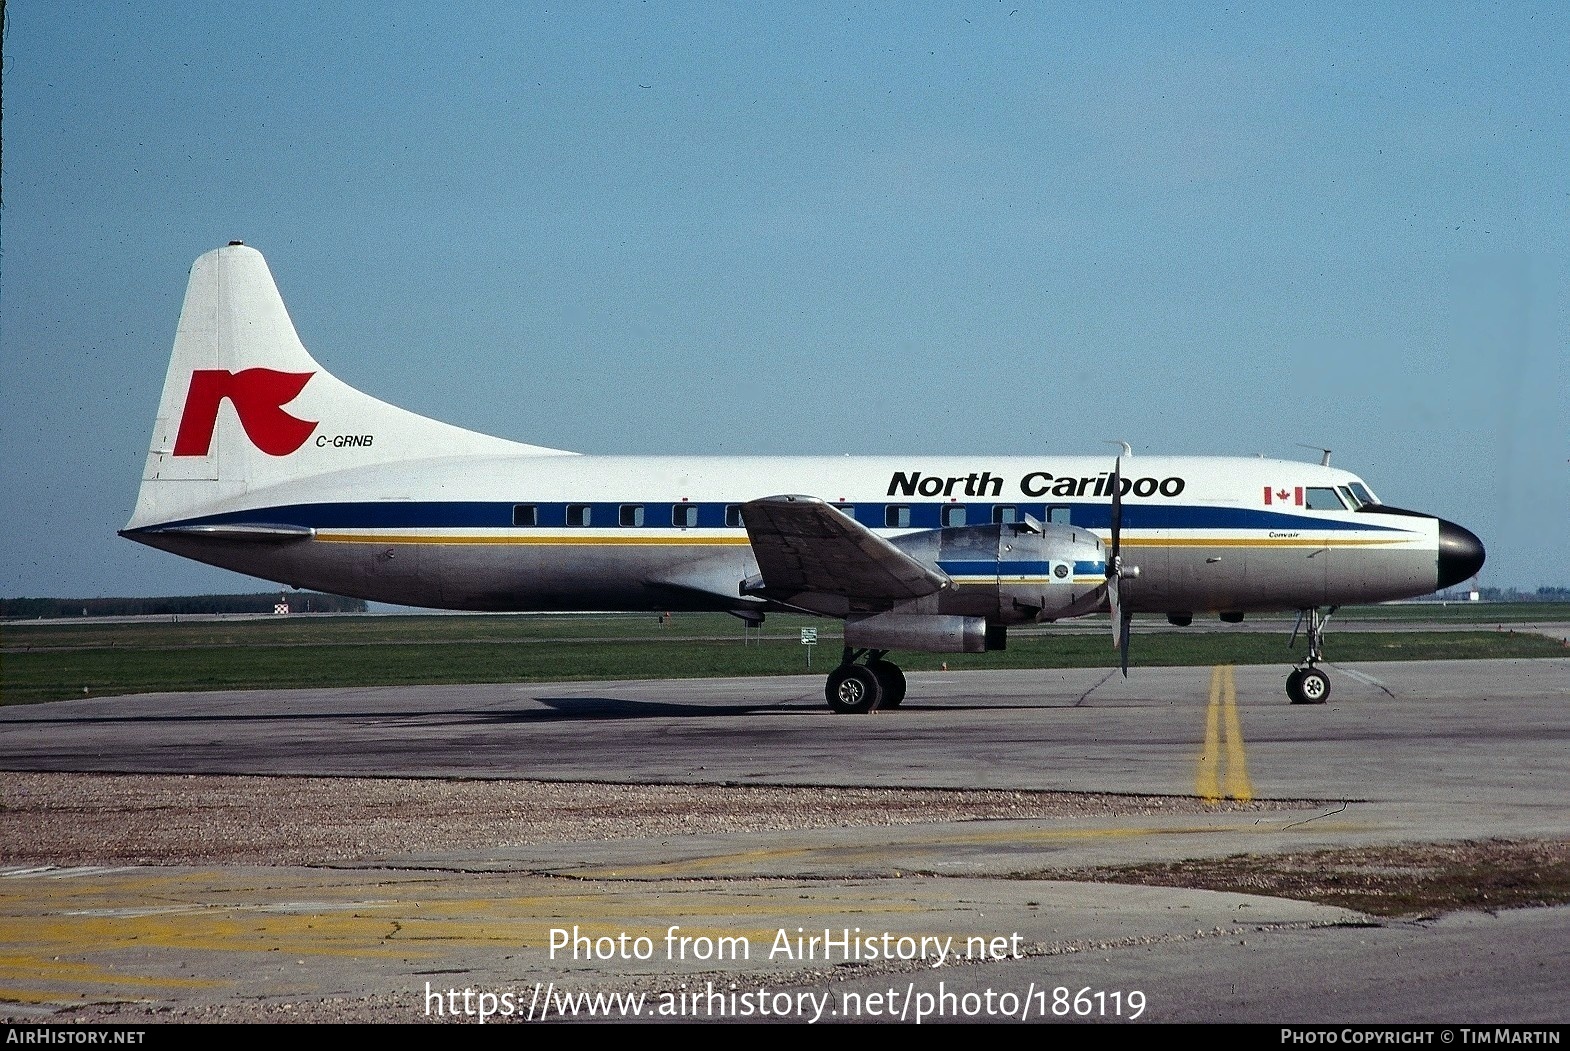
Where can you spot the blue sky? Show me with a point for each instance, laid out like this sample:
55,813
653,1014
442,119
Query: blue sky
722,228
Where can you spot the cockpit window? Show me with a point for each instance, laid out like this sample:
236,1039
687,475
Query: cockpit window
1363,495
1323,500
1348,498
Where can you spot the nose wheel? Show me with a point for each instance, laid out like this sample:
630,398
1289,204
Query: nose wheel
1307,684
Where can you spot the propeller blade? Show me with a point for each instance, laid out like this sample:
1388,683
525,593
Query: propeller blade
1121,618
1124,621
1114,564
1114,606
1117,510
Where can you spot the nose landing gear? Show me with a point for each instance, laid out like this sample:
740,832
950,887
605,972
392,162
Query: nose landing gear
1307,684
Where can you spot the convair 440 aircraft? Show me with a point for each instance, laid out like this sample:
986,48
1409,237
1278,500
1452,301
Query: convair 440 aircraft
264,463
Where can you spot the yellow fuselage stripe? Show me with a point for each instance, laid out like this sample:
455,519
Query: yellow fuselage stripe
1206,541
550,541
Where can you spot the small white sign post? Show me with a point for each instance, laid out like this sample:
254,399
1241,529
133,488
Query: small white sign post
809,639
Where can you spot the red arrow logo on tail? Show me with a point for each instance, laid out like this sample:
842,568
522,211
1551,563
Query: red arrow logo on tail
258,396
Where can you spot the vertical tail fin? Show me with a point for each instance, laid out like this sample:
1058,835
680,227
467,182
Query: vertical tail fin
245,406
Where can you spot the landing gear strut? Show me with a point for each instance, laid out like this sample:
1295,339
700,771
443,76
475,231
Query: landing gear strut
856,688
1307,684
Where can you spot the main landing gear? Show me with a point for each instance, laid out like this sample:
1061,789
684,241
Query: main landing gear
1307,684
856,688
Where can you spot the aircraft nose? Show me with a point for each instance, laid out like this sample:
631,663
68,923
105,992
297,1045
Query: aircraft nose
1461,553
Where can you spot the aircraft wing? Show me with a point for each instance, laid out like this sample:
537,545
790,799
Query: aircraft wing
804,546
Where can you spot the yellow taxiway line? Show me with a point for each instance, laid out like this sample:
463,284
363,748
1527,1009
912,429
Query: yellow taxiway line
1222,772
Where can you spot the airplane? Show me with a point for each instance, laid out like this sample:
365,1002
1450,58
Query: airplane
264,463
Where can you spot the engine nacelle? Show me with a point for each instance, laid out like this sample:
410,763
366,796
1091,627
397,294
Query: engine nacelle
924,632
1015,572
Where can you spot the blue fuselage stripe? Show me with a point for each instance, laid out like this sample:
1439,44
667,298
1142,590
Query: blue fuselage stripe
665,515
979,567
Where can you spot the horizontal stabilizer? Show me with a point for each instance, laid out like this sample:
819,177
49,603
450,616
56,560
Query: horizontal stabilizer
271,534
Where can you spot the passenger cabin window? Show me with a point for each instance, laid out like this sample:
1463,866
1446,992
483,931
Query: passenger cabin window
525,515
733,516
1005,514
896,516
631,514
1059,513
848,510
1322,500
578,514
953,514
684,516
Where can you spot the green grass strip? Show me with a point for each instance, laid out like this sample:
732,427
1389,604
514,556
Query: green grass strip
187,660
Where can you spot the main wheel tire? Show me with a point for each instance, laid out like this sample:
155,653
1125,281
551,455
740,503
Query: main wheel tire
1313,687
853,689
892,682
1295,686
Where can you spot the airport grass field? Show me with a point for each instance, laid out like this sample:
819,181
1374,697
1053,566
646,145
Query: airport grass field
54,660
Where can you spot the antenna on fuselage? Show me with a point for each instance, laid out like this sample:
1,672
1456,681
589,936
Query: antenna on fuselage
1128,450
1324,460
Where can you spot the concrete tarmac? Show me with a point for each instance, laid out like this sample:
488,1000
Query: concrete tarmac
1404,752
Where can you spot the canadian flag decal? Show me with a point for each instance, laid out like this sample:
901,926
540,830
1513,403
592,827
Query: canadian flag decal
1292,496
258,396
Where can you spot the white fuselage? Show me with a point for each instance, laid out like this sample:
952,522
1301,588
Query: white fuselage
645,533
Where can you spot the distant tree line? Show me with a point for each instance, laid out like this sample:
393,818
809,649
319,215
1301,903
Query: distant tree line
263,602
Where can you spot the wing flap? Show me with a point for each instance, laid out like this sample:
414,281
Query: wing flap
803,545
